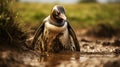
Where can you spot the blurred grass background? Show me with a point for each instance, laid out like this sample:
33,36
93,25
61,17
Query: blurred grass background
81,15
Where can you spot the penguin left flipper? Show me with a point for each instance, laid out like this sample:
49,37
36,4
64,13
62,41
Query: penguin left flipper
75,40
38,32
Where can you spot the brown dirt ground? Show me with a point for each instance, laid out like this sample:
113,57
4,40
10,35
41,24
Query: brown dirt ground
97,50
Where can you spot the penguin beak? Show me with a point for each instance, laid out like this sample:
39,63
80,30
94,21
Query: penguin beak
62,16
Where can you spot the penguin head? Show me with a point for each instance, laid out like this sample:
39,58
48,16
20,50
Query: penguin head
58,14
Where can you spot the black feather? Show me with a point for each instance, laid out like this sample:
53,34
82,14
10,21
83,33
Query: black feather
37,34
72,33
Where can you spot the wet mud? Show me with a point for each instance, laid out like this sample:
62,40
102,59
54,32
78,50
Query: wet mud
95,52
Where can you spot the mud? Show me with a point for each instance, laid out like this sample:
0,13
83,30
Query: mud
95,52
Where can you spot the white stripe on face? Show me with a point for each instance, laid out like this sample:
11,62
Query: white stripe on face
55,8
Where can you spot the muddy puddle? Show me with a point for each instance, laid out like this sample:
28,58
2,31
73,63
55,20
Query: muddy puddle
84,58
94,53
72,59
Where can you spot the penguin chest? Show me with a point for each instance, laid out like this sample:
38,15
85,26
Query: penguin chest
52,31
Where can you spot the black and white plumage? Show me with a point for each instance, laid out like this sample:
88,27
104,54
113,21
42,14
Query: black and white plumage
55,33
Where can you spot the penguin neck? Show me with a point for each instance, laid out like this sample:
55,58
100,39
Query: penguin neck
56,22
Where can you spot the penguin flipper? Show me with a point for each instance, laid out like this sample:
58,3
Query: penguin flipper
73,35
37,34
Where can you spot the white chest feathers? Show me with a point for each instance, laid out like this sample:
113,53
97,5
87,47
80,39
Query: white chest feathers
53,28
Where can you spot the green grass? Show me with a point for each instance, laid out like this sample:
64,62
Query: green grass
79,15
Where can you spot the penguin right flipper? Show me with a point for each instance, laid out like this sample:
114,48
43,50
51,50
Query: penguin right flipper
38,32
73,35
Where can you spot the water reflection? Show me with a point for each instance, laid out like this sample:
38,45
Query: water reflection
69,59
61,59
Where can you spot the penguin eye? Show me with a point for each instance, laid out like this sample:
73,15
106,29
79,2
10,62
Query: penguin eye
57,13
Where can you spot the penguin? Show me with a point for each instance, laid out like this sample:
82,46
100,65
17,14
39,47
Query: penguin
55,34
